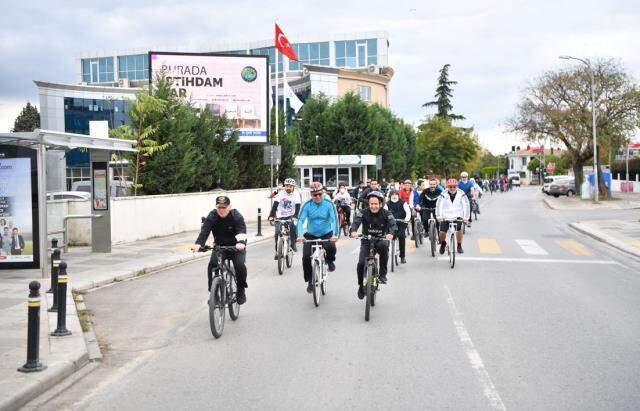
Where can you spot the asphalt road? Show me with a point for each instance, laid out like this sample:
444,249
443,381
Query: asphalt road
534,316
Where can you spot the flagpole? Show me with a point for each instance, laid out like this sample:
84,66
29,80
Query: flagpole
285,91
277,102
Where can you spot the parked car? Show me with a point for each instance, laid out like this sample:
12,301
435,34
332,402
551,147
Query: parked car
84,185
68,195
549,180
515,180
562,187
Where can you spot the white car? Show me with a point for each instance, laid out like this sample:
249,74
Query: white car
515,180
68,195
550,180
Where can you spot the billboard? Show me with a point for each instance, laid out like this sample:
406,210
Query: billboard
236,86
19,246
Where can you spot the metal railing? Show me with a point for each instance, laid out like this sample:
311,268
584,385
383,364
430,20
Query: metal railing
65,226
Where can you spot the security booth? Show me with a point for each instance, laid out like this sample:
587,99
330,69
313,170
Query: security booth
333,170
23,191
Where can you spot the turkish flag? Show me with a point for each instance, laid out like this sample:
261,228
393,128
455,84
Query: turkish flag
283,45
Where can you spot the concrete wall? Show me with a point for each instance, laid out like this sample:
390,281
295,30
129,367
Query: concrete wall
616,185
79,230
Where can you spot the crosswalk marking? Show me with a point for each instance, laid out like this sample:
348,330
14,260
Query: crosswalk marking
531,247
574,247
489,246
536,260
636,244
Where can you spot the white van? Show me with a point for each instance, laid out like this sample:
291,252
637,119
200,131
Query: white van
549,180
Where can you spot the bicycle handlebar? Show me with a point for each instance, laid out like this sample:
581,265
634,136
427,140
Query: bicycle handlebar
368,237
216,247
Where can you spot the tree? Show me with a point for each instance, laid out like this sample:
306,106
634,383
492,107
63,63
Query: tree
442,148
145,113
444,93
558,106
27,120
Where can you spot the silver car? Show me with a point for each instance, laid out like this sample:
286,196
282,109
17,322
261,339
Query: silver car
562,187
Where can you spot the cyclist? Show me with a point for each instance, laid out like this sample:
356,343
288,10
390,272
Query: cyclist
228,229
402,214
378,222
427,201
476,193
321,220
452,204
467,186
342,198
286,204
362,198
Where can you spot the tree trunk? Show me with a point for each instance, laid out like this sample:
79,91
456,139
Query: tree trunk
578,174
602,187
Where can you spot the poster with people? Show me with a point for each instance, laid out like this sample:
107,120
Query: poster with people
17,212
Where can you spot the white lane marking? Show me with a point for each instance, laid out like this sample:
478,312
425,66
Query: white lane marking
488,388
531,247
538,260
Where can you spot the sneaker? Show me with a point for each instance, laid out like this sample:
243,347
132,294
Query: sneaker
443,246
383,279
275,257
241,297
310,287
403,260
332,266
361,292
460,251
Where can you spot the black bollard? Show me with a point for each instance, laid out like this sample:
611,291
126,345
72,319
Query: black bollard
55,269
259,223
54,247
33,363
61,329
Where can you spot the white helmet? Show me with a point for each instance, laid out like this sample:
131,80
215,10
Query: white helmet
290,182
464,174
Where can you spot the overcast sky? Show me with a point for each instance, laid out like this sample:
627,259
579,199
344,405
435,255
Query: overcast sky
494,47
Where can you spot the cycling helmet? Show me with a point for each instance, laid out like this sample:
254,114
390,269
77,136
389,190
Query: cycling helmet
452,182
407,181
315,187
464,174
290,182
376,194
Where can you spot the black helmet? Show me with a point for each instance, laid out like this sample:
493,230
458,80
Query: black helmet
376,194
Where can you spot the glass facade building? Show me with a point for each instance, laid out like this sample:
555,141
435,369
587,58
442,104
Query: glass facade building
97,70
133,67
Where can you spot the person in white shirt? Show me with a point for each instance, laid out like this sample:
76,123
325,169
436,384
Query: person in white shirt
342,199
286,205
452,204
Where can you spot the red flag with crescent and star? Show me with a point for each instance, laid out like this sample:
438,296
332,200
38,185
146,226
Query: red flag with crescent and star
282,43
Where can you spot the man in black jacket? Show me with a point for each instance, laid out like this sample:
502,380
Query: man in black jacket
377,222
228,229
427,202
17,243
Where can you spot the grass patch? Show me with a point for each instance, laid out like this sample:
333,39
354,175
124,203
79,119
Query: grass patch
85,319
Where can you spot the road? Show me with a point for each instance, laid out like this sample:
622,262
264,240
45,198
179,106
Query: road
533,316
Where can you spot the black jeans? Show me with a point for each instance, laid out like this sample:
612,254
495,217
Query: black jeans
427,213
401,235
293,235
238,258
382,249
330,253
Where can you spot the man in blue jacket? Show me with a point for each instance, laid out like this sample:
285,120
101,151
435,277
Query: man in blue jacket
321,220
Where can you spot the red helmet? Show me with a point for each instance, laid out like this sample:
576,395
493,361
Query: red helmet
315,187
407,181
452,182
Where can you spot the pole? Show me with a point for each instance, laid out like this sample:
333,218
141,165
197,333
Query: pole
285,88
277,102
595,145
33,331
627,164
42,205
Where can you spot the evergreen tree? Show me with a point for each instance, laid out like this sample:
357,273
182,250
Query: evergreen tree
444,93
27,120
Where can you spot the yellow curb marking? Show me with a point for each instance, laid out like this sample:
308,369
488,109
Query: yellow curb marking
489,246
574,247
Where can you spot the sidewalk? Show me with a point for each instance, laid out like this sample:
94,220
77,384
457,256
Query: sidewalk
623,235
64,355
620,201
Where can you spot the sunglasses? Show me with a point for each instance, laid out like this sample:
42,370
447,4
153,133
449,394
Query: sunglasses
222,208
316,195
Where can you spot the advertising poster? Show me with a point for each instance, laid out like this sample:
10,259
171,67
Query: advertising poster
18,208
235,86
100,200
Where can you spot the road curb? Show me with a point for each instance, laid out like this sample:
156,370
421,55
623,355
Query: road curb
604,238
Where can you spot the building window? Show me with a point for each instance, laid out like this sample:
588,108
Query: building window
356,53
365,93
78,112
133,67
77,174
98,70
271,53
310,53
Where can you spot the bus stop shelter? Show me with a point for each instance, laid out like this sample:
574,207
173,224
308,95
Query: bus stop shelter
100,149
333,170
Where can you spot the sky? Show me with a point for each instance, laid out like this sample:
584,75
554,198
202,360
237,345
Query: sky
495,47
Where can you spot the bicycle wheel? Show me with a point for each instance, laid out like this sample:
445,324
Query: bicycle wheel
216,307
432,238
420,230
415,233
315,276
452,253
323,283
289,254
393,255
232,289
374,286
280,254
346,230
367,306
340,222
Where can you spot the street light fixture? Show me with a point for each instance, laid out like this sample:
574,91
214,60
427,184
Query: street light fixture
593,118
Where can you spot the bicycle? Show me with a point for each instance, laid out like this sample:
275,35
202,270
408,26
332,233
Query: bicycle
284,243
223,290
372,274
319,269
394,253
432,231
451,240
418,230
342,221
474,209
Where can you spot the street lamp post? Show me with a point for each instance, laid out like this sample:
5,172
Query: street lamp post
593,119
